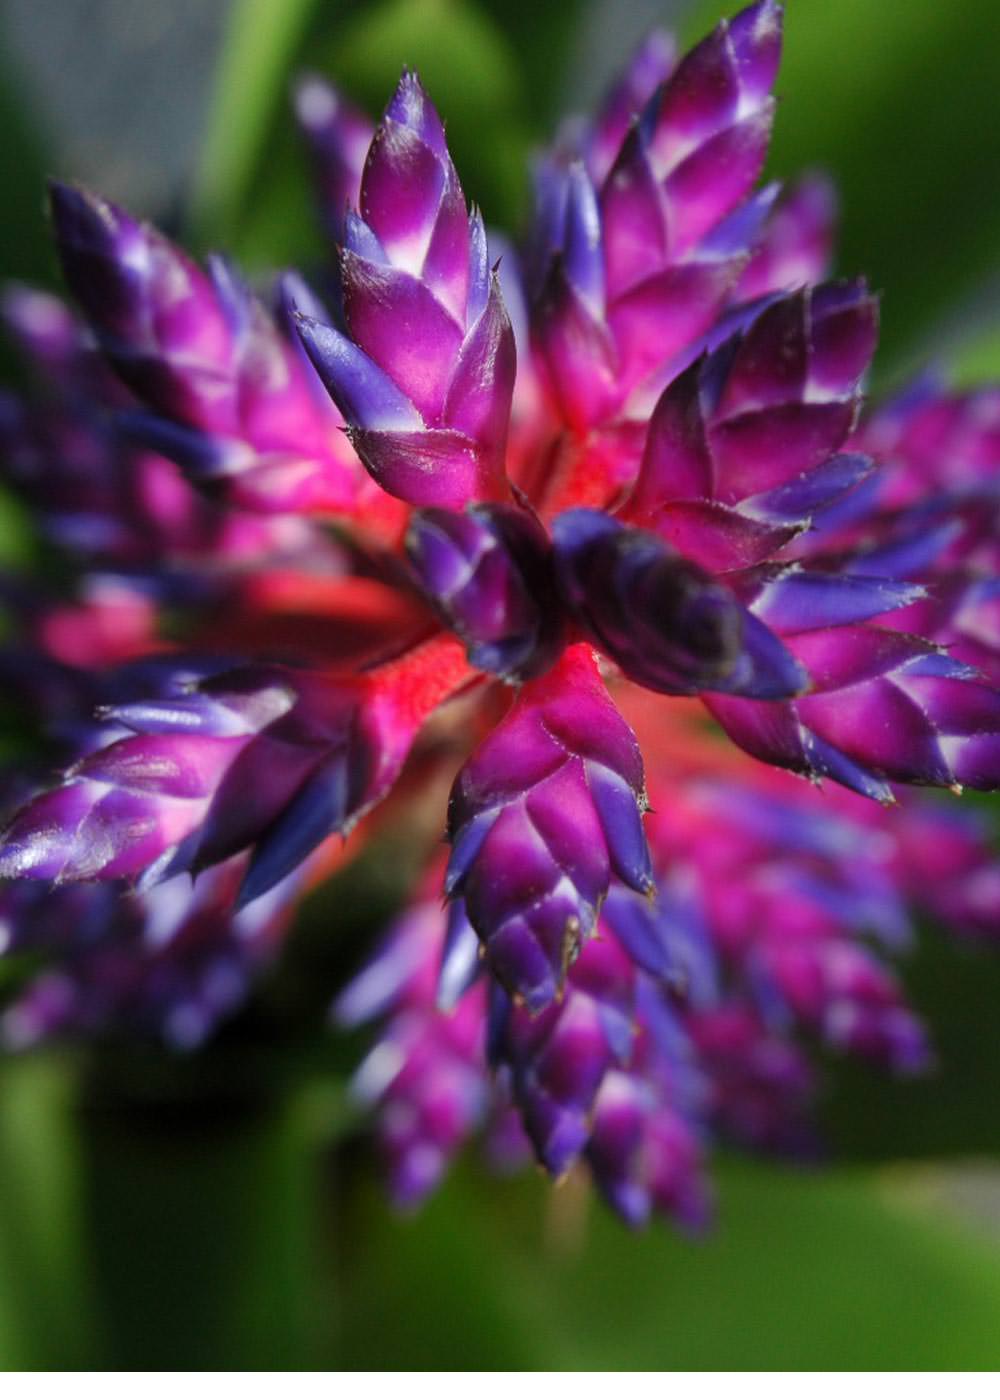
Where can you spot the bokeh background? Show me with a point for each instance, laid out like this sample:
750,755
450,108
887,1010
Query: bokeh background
221,1211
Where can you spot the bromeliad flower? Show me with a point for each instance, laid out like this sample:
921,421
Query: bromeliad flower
582,513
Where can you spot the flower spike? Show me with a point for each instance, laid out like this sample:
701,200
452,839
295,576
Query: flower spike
224,394
261,757
646,1157
425,375
558,1057
636,264
98,496
650,66
427,1074
697,148
884,707
739,442
542,815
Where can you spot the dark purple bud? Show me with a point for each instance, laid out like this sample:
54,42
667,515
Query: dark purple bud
662,619
488,572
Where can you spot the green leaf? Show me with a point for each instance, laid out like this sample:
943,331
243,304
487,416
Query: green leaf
805,1271
47,1315
200,1232
171,1215
261,38
947,1112
25,247
205,1227
977,358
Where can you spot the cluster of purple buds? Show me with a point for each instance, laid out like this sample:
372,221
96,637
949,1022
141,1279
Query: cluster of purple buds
169,963
591,521
96,493
427,1072
792,895
687,1018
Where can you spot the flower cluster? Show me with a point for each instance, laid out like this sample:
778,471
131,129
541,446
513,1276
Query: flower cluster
611,509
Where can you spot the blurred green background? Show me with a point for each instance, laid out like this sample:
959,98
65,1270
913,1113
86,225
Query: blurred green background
221,1212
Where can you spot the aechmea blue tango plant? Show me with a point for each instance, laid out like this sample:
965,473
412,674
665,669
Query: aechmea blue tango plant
602,532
